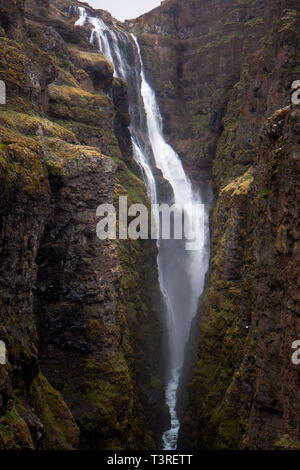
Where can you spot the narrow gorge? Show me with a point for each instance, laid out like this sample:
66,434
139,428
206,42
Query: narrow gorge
143,344
174,261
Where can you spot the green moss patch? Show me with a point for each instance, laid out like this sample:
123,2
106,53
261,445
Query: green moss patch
20,161
35,125
14,432
61,431
287,443
67,102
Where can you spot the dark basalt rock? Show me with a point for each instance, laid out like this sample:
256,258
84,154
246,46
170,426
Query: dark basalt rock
164,189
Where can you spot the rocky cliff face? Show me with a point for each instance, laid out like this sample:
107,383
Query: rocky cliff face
194,54
230,66
80,316
245,386
77,314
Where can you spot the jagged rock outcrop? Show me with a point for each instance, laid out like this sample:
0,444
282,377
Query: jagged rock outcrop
79,316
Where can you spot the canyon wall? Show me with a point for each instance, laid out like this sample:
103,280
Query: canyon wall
79,316
223,72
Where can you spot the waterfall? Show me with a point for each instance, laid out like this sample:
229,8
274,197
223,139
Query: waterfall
181,272
82,16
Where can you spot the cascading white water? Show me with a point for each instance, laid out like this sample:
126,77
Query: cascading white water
82,16
181,272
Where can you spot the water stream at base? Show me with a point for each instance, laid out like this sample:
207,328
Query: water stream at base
181,272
